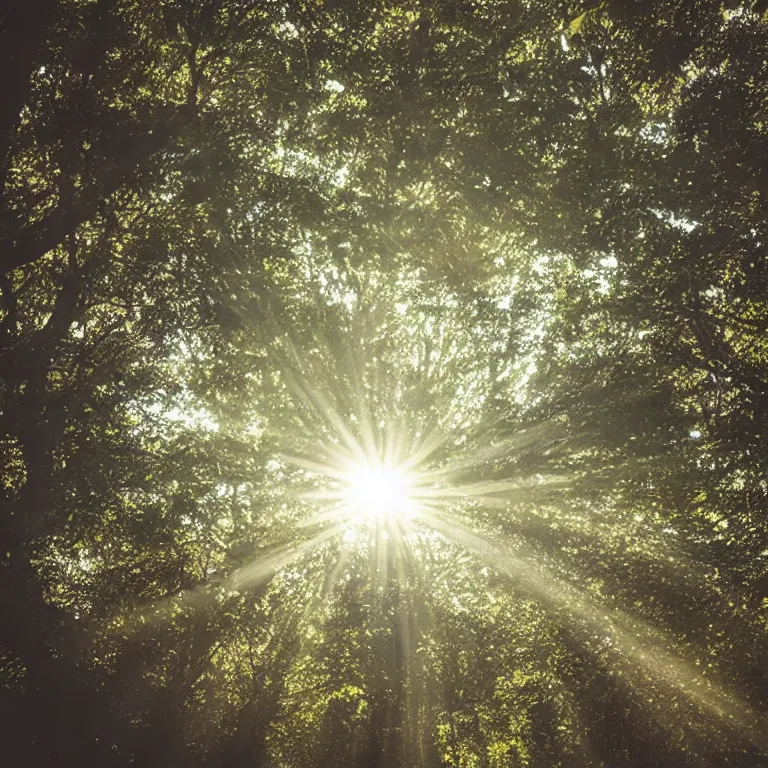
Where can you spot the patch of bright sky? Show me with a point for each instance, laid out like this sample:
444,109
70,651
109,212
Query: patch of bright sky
657,133
287,30
191,417
600,274
520,388
341,176
733,13
506,289
685,224
182,408
334,287
603,285
255,428
714,292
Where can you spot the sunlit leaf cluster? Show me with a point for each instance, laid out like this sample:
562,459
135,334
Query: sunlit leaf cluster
384,384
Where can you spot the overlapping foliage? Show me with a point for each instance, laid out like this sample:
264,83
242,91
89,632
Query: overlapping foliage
525,241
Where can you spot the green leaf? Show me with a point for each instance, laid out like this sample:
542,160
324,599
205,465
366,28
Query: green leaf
574,28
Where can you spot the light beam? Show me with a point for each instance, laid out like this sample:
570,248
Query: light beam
377,494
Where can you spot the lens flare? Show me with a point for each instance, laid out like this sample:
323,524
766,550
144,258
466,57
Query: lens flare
376,494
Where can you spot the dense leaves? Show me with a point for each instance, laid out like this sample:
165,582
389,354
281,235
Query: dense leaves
519,247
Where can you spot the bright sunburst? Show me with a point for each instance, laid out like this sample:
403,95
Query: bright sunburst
377,493
383,491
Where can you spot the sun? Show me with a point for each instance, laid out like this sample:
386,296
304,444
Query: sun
378,494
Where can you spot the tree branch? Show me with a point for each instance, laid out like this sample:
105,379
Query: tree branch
40,238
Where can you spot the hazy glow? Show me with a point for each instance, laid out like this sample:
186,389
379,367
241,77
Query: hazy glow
378,493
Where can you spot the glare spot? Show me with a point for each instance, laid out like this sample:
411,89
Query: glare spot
340,177
377,494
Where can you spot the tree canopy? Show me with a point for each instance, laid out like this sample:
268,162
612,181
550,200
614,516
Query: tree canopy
384,384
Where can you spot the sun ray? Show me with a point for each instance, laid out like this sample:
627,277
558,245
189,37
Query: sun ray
374,483
265,567
635,640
